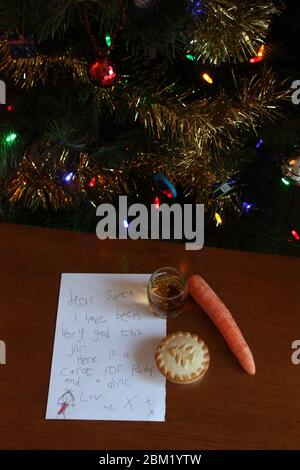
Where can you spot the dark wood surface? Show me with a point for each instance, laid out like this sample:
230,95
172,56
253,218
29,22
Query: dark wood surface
226,410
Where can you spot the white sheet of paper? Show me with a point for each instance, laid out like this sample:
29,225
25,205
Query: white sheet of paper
103,365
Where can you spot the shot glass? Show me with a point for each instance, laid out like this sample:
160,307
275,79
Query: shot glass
167,292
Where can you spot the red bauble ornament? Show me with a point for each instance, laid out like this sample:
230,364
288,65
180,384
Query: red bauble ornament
103,72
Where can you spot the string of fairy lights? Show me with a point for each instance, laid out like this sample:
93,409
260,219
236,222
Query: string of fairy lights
198,129
220,192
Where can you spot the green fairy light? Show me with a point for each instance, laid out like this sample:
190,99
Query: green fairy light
190,57
10,137
108,40
285,181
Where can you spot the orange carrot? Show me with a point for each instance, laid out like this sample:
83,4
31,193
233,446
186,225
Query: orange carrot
222,318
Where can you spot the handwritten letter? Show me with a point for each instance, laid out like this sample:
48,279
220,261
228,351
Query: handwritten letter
103,364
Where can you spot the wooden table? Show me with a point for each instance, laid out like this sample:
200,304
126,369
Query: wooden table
227,410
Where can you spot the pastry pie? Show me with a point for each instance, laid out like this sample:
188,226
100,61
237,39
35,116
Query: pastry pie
182,357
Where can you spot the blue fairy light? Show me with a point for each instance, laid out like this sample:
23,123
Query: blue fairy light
196,7
247,206
68,177
259,143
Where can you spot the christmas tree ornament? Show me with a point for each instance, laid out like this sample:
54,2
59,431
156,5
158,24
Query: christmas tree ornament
164,185
291,170
22,46
103,71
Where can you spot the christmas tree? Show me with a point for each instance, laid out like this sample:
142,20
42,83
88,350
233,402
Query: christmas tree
162,101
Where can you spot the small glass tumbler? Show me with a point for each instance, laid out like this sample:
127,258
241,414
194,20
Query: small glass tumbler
167,292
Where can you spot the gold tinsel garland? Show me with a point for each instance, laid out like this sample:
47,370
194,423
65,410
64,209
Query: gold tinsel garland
30,71
213,124
204,130
40,180
35,183
231,30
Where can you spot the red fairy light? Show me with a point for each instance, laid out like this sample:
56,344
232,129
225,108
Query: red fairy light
92,182
156,202
259,57
168,193
254,60
295,235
